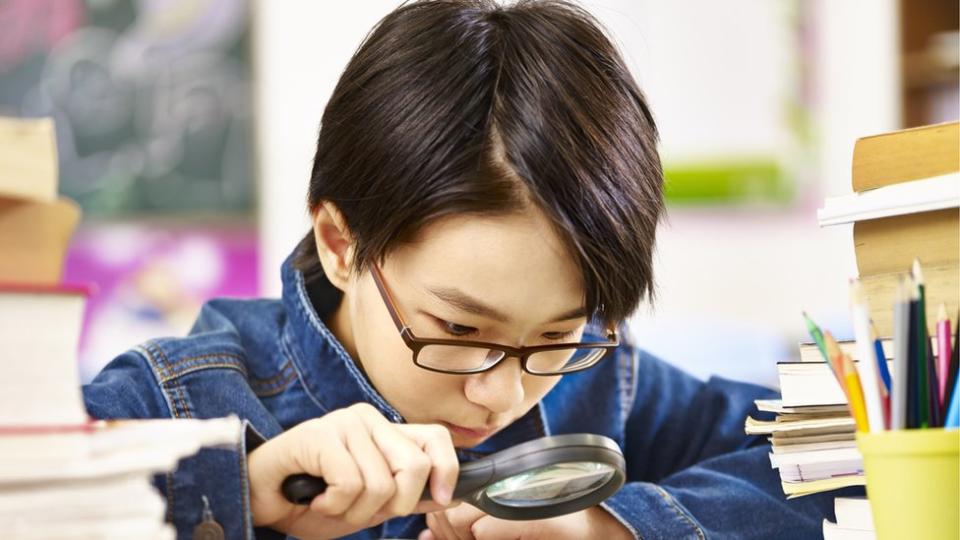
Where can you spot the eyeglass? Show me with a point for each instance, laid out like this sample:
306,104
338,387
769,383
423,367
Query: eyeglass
460,356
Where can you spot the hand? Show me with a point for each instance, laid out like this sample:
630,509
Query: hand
468,523
374,470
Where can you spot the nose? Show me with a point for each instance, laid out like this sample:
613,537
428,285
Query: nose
499,389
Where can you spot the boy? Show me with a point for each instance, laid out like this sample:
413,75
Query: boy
487,176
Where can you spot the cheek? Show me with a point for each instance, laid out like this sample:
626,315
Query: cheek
388,363
534,388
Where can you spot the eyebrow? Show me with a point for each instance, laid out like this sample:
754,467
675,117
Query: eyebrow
464,302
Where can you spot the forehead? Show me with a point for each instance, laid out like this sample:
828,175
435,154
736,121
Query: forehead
516,261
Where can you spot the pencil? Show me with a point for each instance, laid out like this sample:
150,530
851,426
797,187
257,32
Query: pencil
817,335
913,370
855,394
867,366
901,344
943,351
881,358
952,374
923,382
835,361
952,420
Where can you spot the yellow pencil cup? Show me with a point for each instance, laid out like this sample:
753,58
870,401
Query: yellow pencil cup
913,482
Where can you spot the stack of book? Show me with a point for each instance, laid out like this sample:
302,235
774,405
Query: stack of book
904,206
854,520
812,445
63,475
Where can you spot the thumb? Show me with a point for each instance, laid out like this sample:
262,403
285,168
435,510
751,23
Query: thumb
491,528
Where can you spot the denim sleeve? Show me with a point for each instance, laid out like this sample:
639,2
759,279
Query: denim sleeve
127,388
691,470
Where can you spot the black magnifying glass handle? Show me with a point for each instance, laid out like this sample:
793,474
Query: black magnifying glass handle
302,488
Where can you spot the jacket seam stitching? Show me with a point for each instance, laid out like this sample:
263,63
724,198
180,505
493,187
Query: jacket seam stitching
277,384
289,348
616,515
181,398
157,369
202,367
680,511
172,369
244,483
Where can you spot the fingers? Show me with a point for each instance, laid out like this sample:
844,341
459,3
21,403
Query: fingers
414,453
374,468
456,523
441,529
344,478
379,484
463,518
435,441
410,466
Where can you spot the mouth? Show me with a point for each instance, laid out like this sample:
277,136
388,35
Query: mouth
481,432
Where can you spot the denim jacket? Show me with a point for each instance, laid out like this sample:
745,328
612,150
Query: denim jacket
691,471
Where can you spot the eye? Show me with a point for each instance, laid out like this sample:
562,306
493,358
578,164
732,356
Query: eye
454,329
558,336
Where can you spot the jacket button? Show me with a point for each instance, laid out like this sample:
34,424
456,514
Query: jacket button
208,529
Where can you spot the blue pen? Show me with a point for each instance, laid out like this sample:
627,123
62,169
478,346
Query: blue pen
953,413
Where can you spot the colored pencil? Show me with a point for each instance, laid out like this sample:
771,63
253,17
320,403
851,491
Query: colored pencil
867,366
923,381
953,374
855,394
835,361
817,335
901,344
933,397
881,358
884,372
943,351
913,370
953,411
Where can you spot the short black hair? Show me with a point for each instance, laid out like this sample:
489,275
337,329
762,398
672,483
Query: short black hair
470,107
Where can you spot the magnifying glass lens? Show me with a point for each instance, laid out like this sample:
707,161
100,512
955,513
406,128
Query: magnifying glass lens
551,484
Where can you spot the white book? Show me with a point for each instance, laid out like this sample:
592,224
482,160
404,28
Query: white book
832,531
853,513
143,446
121,497
777,406
837,455
39,332
804,384
934,193
809,447
808,473
117,529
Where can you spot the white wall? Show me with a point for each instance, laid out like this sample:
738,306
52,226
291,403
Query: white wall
751,271
300,48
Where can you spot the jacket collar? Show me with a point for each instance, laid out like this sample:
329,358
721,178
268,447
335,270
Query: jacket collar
332,379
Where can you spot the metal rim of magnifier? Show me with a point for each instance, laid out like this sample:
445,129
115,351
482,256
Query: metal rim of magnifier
531,455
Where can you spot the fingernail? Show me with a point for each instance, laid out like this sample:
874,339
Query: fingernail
444,494
425,535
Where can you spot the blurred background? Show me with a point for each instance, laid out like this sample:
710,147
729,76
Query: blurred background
186,130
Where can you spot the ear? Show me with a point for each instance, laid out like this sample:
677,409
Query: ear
334,244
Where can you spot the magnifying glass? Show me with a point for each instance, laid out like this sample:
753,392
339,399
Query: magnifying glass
538,479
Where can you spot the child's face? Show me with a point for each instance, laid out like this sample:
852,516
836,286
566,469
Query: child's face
514,264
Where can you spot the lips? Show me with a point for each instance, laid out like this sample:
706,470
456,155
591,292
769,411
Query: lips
471,433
